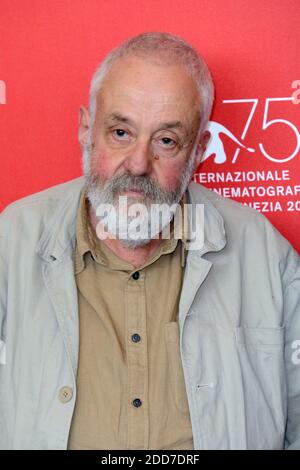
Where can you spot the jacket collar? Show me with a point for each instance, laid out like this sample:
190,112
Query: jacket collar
213,225
60,231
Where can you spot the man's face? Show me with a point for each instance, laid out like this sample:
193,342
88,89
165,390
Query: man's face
145,128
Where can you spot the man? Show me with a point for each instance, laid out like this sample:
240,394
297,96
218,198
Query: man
111,340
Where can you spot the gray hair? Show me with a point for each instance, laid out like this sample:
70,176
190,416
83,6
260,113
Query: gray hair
170,48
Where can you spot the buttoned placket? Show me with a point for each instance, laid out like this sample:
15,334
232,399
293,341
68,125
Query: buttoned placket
137,361
138,426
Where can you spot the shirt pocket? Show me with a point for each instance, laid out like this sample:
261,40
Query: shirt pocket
172,336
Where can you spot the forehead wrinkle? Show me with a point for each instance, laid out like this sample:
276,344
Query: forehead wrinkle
143,96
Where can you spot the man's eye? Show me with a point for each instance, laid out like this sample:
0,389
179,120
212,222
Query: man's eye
168,142
120,133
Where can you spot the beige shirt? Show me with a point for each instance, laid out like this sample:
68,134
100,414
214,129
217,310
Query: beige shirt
130,385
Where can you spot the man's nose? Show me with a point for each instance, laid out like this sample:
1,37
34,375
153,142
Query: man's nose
139,160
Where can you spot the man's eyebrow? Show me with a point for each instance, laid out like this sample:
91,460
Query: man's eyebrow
117,117
172,125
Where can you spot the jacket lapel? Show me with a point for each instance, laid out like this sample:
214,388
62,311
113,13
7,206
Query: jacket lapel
196,271
197,267
56,247
61,287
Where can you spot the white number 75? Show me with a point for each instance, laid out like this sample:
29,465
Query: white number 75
265,125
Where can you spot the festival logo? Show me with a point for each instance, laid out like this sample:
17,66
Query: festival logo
253,171
216,146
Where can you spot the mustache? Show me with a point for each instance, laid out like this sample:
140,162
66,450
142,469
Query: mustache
149,188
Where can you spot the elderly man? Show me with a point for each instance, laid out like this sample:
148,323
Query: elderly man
111,340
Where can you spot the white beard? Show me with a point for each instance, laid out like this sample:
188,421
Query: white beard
117,222
133,222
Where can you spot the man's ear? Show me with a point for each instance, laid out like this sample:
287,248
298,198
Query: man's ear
83,126
202,145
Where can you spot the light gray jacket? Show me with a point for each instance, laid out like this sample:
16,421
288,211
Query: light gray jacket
239,319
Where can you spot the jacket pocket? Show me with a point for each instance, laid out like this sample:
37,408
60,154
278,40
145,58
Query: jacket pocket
172,336
265,339
261,357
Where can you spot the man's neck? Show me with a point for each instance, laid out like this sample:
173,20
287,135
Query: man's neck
135,256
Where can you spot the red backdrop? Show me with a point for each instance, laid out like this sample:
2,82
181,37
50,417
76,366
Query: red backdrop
49,50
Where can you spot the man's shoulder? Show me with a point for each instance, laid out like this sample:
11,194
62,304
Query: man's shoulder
247,231
226,207
35,209
54,194
236,216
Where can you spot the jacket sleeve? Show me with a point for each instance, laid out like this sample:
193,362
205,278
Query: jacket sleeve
292,352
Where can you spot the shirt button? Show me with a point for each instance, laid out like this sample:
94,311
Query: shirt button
65,394
137,402
136,275
136,338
